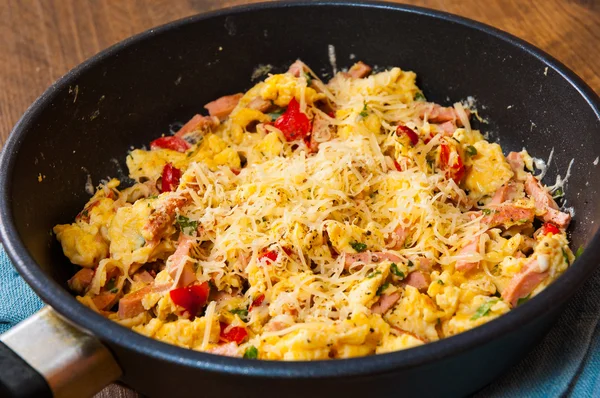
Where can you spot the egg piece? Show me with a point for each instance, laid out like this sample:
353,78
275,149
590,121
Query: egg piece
127,243
415,313
488,172
83,245
351,239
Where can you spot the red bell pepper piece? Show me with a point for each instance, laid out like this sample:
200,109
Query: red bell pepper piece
414,137
191,298
172,143
257,302
294,124
236,333
397,165
268,255
170,178
456,170
549,228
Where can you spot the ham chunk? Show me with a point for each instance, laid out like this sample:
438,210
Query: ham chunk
523,283
543,201
260,104
370,257
440,114
81,280
470,248
504,193
515,160
131,304
178,263
399,237
359,70
418,280
198,124
223,106
386,302
297,68
447,128
160,220
228,349
508,214
105,300
144,277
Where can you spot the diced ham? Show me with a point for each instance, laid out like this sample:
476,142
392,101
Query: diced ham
260,104
81,280
359,70
515,160
504,193
418,280
105,300
425,264
508,214
228,349
222,107
131,304
143,276
399,237
402,331
523,283
297,68
440,114
162,217
470,248
386,301
178,262
543,200
200,124
447,128
370,257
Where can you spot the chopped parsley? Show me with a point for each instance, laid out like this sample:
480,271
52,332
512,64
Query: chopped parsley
251,353
359,247
364,112
373,274
110,286
382,288
484,309
275,115
523,299
471,150
419,96
559,193
487,212
241,312
579,252
565,256
394,270
440,282
308,79
187,226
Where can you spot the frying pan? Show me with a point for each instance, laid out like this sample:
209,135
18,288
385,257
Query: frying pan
85,123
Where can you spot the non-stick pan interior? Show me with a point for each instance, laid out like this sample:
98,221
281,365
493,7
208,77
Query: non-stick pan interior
85,125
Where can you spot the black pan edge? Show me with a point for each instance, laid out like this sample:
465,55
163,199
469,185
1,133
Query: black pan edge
554,296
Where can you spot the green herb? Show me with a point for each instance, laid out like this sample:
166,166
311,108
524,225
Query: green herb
364,112
110,285
419,96
471,150
579,252
308,78
394,269
373,274
382,288
152,196
565,256
559,193
523,221
523,299
241,312
440,282
359,247
187,226
251,353
487,212
484,309
274,115
410,263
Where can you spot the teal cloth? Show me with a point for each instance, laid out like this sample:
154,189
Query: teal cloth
566,363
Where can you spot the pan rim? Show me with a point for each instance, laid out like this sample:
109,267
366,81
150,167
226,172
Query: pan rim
65,304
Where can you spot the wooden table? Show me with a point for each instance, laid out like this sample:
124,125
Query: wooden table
40,40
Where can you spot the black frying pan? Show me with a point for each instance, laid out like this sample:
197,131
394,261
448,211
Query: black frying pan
132,92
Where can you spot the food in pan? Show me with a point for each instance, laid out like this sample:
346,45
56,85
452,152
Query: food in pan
305,220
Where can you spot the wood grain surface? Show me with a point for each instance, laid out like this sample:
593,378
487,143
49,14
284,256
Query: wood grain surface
40,40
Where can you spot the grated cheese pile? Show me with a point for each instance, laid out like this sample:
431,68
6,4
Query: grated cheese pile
367,221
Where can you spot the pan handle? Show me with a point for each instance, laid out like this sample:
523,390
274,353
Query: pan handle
45,356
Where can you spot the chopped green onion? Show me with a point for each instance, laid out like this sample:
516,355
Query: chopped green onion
275,115
559,193
394,270
359,247
523,299
364,112
373,274
579,252
471,150
419,96
241,312
565,256
187,226
251,353
382,288
484,309
308,78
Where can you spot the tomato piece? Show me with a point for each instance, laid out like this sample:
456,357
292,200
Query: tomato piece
257,302
456,170
172,143
294,124
397,165
414,137
549,228
170,178
268,255
236,333
191,298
